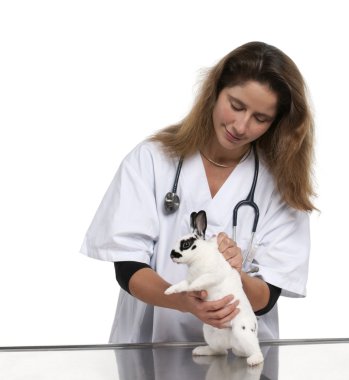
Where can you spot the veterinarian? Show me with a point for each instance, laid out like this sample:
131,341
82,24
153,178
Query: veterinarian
254,95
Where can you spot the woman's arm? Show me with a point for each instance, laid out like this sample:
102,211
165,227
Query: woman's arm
256,289
149,287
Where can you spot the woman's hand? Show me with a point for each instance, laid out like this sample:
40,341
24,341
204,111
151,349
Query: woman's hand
215,313
231,252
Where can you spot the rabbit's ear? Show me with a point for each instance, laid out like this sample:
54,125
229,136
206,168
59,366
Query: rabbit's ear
198,222
192,221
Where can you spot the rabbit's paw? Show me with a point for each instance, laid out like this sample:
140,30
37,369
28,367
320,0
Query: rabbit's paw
255,359
207,350
177,288
170,290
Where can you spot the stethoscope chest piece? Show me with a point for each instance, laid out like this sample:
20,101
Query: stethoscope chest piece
171,202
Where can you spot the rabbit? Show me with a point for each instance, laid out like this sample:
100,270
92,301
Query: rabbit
208,270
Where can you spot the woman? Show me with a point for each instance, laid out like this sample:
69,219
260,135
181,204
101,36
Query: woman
255,95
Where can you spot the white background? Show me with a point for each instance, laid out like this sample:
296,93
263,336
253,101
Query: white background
82,82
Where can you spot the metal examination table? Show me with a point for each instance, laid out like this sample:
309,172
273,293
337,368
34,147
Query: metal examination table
284,359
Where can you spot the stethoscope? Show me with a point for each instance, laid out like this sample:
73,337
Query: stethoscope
172,203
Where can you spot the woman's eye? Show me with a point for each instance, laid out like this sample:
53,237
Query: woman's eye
235,107
263,119
260,119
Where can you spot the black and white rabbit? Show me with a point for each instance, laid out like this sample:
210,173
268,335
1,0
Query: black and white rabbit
208,270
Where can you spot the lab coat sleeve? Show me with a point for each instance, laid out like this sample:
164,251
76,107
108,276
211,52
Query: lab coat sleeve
283,246
126,225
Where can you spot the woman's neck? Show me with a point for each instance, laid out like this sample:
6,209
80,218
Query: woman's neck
219,156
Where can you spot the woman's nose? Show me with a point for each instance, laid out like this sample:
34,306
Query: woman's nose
241,124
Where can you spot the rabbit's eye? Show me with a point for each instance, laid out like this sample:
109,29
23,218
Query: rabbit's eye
186,244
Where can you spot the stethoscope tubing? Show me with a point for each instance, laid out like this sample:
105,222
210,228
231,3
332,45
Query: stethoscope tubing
249,201
178,172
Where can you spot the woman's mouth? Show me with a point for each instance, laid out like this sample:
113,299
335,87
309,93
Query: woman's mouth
229,136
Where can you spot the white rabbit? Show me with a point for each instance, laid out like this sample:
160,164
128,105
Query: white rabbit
208,270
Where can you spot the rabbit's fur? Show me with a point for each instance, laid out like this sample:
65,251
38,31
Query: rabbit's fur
208,270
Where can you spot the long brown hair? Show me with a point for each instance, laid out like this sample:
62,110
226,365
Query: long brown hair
287,146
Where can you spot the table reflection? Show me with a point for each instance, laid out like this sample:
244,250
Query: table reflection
319,359
173,363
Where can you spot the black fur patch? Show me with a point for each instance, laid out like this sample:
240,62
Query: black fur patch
187,243
193,247
175,254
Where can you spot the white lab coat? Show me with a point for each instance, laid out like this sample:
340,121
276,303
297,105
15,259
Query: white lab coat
131,224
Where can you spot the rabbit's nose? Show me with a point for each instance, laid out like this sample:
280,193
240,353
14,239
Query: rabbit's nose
175,255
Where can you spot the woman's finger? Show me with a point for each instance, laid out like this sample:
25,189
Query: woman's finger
226,321
224,242
212,306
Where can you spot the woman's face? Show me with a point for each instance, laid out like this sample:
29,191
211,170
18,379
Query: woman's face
243,113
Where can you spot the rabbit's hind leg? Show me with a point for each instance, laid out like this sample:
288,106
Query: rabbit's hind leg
218,341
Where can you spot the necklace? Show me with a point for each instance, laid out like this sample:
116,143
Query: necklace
217,163
222,165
